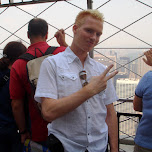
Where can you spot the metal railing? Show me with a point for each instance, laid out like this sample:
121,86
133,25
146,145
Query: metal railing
127,123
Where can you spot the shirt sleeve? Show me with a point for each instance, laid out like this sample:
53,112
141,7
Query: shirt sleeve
143,83
110,93
46,86
17,90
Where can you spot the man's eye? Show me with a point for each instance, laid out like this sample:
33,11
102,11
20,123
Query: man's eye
89,31
98,34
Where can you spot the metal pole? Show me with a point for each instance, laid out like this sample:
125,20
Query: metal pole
89,6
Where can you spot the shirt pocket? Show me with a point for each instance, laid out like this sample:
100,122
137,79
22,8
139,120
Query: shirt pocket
67,84
68,76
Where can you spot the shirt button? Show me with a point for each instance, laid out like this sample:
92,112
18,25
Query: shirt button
89,117
88,134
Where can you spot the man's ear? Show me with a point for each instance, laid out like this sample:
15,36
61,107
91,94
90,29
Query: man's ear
46,36
75,27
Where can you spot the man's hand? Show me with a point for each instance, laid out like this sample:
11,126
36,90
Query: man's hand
25,136
99,83
55,108
148,59
60,37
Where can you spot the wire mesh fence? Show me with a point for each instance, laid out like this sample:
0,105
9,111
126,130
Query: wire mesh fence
126,35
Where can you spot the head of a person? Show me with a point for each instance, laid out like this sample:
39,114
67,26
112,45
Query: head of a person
88,28
11,52
80,19
37,27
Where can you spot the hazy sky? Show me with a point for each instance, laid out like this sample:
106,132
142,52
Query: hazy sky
118,14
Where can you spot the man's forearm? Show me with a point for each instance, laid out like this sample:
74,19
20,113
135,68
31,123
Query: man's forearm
112,123
53,109
19,115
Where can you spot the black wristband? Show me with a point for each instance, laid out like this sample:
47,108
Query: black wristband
22,132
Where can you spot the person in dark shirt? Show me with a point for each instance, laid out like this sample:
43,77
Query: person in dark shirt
9,137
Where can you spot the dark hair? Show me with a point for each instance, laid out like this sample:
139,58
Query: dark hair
11,52
37,27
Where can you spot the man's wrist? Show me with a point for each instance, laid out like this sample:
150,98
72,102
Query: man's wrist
88,91
23,132
64,44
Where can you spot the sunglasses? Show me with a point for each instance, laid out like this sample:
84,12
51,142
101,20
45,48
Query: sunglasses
83,77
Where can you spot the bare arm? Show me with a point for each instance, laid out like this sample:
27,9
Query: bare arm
148,59
52,109
60,37
19,115
137,103
112,123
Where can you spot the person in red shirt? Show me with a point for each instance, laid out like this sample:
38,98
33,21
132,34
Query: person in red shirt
20,88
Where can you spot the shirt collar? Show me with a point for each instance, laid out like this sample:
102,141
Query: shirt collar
89,60
38,44
71,56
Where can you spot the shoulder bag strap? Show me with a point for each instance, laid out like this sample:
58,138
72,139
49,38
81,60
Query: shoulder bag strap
5,78
50,50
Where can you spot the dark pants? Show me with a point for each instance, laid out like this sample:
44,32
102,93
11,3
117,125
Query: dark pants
43,143
54,144
10,142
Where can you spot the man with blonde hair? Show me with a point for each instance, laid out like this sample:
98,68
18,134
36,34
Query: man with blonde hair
76,92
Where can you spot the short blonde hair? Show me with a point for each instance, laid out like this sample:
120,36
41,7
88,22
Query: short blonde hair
83,14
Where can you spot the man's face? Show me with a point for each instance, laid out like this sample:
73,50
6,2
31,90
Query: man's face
88,34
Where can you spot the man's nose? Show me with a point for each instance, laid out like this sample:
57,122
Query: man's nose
93,36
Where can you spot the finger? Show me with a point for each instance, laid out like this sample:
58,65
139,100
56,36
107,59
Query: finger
145,60
107,70
111,75
149,52
56,34
62,31
148,56
145,53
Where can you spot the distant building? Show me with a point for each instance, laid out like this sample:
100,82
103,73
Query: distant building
120,75
108,60
134,70
124,61
125,88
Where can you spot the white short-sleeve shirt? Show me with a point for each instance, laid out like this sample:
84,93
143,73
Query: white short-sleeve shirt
84,127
